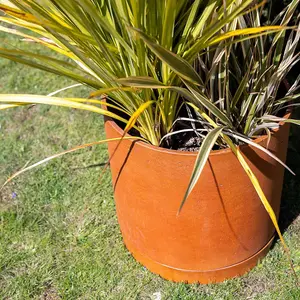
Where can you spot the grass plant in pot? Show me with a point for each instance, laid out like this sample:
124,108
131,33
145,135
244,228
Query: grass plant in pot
196,119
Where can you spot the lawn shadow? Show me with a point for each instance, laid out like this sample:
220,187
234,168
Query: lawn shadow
290,199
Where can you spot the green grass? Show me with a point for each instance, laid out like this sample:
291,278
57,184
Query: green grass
59,237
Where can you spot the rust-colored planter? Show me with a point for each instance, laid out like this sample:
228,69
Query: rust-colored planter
223,229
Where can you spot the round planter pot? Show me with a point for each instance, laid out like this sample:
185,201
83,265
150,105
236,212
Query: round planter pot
223,229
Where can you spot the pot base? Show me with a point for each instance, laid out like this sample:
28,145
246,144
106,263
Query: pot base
198,276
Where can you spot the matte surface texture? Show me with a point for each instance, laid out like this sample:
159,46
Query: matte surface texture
223,228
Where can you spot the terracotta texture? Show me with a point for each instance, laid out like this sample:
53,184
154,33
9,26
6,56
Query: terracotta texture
223,228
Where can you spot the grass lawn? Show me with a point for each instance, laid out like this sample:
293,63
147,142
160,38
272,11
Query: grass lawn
59,236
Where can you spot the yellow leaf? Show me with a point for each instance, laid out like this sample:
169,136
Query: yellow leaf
245,31
136,114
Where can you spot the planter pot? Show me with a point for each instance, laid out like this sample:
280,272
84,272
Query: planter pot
223,229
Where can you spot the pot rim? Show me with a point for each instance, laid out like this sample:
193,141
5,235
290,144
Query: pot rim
188,153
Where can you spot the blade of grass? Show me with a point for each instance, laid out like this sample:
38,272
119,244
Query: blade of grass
63,153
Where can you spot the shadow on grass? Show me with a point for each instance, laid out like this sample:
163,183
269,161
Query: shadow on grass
290,202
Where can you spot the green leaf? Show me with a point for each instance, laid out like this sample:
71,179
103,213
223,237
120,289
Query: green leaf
142,82
48,64
175,62
201,159
109,90
198,99
241,89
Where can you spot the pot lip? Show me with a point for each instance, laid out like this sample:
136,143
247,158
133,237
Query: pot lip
188,153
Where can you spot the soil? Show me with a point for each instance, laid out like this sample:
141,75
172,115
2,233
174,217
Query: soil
50,294
192,144
185,142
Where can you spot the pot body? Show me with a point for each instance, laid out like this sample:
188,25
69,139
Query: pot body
222,230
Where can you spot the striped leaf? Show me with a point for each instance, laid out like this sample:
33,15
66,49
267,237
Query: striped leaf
201,160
